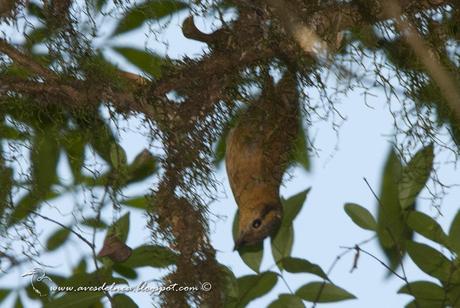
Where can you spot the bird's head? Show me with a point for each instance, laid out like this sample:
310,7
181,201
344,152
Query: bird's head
255,224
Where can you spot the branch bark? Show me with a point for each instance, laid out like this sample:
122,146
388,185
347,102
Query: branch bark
440,74
25,61
209,76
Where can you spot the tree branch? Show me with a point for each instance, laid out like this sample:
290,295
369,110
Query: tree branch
440,74
91,245
25,61
210,75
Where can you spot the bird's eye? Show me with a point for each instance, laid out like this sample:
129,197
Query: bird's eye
256,223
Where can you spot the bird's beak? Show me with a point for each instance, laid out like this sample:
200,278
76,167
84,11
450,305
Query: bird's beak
240,241
237,246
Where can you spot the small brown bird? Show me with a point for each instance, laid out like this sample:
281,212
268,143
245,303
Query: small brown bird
257,154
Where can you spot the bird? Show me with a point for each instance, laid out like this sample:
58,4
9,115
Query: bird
258,150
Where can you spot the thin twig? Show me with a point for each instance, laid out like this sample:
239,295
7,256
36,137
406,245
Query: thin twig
332,266
65,227
285,282
373,192
356,247
355,259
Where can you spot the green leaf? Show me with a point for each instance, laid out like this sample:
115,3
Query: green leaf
4,293
6,183
392,229
94,222
99,4
99,135
35,10
143,166
430,260
453,294
76,300
57,239
118,156
300,151
150,255
254,286
149,10
419,303
361,216
74,145
389,216
11,133
230,285
27,204
297,265
121,300
37,35
251,255
81,267
120,228
323,292
454,233
282,242
125,271
426,226
44,157
148,62
97,180
220,148
287,300
91,279
423,290
118,177
140,202
18,303
293,205
415,175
